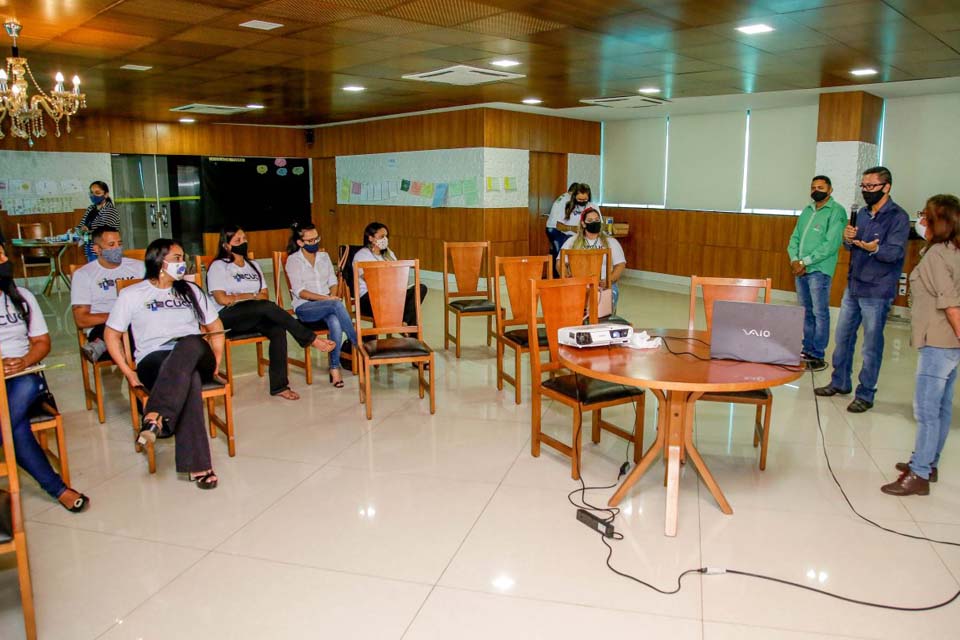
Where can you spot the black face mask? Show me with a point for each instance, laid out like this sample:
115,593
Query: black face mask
872,197
240,250
581,204
819,196
6,270
593,227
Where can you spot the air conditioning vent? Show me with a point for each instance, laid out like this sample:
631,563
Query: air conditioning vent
463,75
211,109
625,102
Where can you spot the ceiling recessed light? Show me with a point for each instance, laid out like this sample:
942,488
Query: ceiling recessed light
506,64
648,90
263,25
354,88
532,101
187,120
254,106
863,72
136,67
752,29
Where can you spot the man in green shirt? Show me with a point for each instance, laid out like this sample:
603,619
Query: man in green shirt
813,248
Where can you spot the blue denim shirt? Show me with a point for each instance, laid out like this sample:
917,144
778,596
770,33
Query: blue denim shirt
875,275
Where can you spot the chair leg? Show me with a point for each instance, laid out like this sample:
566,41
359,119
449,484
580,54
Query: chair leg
535,424
85,375
757,428
228,419
228,359
362,373
489,329
211,415
446,329
420,379
98,389
638,429
595,431
26,586
308,364
576,446
458,338
517,374
366,393
433,392
261,370
499,365
62,452
134,422
766,435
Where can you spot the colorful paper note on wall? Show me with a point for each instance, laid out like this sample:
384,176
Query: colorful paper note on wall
456,189
404,185
471,199
440,194
355,188
415,188
509,184
344,190
394,189
427,190
493,184
469,186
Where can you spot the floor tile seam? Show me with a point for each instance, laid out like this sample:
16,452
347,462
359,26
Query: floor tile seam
844,514
937,549
787,629
124,536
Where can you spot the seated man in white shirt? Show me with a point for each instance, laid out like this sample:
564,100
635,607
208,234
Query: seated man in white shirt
93,289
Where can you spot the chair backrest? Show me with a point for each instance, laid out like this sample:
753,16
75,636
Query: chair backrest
584,263
8,467
34,230
280,273
346,254
562,303
517,272
135,254
467,262
727,289
387,293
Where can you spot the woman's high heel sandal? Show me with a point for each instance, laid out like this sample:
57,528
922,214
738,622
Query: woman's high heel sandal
149,430
339,383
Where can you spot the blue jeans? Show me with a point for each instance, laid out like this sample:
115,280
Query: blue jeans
337,319
813,292
872,314
616,295
22,392
933,406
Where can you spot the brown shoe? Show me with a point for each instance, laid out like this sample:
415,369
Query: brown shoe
908,484
905,466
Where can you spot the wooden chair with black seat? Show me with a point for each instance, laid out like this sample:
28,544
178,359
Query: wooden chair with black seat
562,303
387,290
347,252
91,395
591,263
201,265
738,290
13,538
36,258
468,259
211,391
512,330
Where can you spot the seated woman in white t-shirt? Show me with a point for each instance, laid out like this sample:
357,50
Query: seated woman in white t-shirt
24,342
166,316
376,248
240,295
313,287
592,236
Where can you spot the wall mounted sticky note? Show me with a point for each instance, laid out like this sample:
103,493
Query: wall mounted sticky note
493,184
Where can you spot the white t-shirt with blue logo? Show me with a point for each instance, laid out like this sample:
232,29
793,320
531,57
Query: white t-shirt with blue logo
96,286
158,317
233,279
14,333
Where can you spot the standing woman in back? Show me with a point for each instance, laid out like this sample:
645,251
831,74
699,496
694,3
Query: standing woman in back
100,213
240,295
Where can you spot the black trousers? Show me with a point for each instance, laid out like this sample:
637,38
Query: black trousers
175,380
409,306
267,318
96,332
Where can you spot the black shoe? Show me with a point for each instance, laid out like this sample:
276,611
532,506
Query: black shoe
815,364
859,405
903,467
829,390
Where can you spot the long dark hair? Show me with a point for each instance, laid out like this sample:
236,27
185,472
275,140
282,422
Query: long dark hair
9,287
104,187
153,261
296,234
226,235
371,230
583,187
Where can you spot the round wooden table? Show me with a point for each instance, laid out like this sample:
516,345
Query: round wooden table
678,381
56,249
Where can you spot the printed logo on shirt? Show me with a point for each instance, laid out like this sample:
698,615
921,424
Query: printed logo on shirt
168,304
245,276
106,283
10,318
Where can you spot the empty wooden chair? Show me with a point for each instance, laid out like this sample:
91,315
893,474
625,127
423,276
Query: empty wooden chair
36,258
92,395
512,329
467,260
13,539
386,288
562,303
739,290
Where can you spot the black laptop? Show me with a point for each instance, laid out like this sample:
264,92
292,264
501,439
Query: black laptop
755,332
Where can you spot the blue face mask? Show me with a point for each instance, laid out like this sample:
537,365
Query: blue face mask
97,199
113,256
312,248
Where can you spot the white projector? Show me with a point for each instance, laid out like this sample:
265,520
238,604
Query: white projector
595,335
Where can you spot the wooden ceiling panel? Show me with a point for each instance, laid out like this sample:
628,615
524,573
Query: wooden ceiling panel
444,13
335,34
384,25
511,25
177,10
105,39
308,12
222,37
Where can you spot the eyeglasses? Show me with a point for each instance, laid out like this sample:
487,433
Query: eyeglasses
872,187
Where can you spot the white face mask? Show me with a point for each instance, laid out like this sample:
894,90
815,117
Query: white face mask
381,243
175,270
921,227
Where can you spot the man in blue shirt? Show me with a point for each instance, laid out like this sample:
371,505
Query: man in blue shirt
877,248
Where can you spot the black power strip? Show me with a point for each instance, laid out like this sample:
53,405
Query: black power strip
595,523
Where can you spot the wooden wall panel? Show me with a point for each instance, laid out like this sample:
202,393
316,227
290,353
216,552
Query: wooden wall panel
446,130
848,116
519,130
548,175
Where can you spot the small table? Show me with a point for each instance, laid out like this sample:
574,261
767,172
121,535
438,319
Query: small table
49,245
678,381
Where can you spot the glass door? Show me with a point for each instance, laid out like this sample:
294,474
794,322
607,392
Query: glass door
140,196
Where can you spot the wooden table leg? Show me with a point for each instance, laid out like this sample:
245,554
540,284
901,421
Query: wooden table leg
677,409
648,457
701,466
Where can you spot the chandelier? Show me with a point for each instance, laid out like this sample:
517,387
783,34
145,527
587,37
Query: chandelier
26,112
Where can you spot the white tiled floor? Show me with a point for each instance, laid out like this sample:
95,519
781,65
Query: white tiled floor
417,526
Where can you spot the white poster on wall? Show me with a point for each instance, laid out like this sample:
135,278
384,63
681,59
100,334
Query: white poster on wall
49,182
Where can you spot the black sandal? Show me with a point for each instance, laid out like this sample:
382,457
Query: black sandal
150,430
204,481
80,504
339,383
